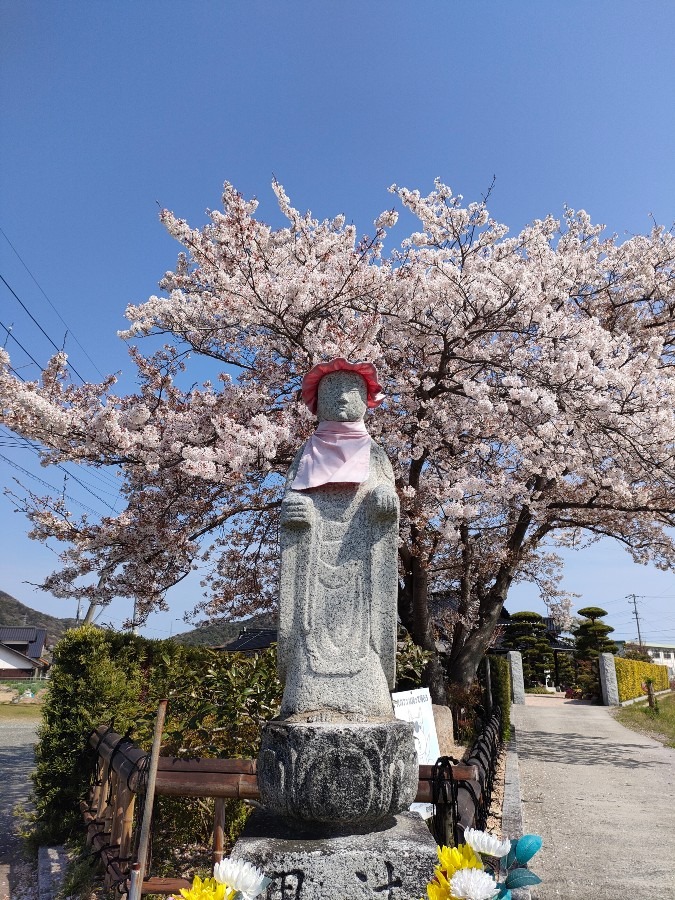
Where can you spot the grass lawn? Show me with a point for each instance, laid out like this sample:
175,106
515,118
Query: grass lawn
20,712
640,718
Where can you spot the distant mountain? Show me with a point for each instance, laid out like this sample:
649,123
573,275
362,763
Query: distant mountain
215,634
12,612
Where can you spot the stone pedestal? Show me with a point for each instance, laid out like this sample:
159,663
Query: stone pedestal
337,774
393,861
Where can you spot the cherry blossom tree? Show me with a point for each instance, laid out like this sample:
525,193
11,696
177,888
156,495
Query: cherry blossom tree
530,398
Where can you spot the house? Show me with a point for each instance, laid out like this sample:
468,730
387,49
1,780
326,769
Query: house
663,655
22,650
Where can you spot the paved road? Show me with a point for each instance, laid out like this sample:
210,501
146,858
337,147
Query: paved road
16,763
603,799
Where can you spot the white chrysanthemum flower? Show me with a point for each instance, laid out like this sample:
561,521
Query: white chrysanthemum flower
482,842
241,876
473,884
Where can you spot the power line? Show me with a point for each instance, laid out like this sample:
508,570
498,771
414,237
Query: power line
17,341
46,484
659,622
14,372
25,308
27,443
11,443
11,368
41,289
18,441
10,334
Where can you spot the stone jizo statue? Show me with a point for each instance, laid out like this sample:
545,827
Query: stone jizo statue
339,581
337,771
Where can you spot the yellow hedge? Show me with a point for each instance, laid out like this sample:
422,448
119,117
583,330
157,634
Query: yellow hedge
632,674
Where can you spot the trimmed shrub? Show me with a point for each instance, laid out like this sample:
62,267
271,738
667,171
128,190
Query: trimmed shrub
500,676
94,679
527,633
218,703
591,639
631,675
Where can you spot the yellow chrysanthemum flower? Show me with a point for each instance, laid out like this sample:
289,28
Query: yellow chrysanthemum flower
208,889
438,888
451,859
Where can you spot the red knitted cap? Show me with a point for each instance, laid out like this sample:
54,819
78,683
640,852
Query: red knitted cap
310,383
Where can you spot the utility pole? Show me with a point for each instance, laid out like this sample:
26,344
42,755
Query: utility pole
632,598
107,570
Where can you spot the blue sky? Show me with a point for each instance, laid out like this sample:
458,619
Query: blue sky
109,108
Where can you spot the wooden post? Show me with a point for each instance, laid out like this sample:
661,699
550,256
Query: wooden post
108,813
651,696
97,786
111,826
126,834
136,884
117,811
101,790
96,793
218,829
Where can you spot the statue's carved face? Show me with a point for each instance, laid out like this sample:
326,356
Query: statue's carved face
342,397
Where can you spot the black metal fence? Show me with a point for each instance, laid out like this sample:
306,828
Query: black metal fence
111,817
460,804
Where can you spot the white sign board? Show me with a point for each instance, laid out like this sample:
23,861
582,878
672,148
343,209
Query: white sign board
415,707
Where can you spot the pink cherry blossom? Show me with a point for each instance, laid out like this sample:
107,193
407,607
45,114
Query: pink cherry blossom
529,389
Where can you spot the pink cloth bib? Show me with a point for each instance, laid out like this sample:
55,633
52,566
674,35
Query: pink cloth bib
337,452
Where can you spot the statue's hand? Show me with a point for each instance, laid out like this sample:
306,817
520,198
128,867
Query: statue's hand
296,511
386,502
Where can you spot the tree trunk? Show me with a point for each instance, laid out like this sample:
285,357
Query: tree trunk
433,677
413,605
465,659
469,646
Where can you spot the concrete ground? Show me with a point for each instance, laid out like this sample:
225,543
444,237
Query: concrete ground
16,763
602,798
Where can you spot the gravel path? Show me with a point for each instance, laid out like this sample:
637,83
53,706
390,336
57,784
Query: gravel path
603,799
16,763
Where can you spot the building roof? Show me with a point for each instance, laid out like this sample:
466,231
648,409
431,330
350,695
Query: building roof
251,639
32,663
33,637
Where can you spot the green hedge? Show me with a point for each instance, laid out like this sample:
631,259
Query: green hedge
631,674
500,676
217,705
